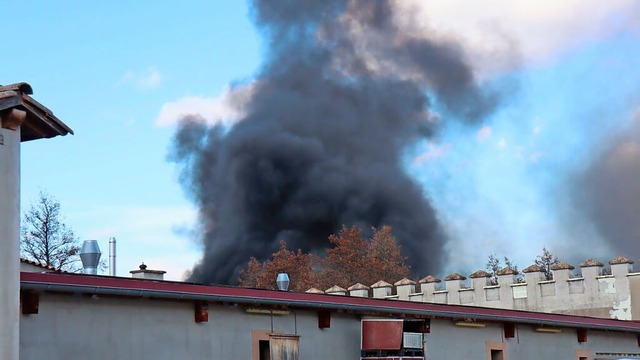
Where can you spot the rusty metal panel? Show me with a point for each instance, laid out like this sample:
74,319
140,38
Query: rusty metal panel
284,347
381,334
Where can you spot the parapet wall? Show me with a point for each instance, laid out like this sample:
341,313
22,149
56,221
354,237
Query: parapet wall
592,294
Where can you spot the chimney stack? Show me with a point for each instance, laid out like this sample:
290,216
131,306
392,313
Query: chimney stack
90,256
112,256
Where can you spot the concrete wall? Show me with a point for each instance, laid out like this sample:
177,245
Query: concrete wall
78,327
81,327
615,296
608,296
447,341
9,241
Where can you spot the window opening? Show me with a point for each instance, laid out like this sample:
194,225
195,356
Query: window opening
265,352
497,354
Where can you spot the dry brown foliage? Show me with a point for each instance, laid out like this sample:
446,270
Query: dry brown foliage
351,259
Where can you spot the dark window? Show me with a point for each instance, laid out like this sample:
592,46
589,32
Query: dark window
265,353
417,326
496,355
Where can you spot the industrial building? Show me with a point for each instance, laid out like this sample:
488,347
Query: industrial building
47,314
67,316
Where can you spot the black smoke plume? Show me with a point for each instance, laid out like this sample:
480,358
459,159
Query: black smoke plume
341,95
608,192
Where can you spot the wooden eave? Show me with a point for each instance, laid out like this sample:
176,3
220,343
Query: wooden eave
39,122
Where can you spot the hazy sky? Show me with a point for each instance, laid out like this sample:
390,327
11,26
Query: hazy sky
121,76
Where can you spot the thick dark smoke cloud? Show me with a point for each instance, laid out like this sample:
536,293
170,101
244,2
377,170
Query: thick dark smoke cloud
343,92
609,192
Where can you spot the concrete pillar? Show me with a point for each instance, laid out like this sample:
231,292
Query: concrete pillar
453,283
532,276
336,290
9,241
429,285
621,266
314,291
358,290
506,277
381,289
561,273
405,287
479,280
591,269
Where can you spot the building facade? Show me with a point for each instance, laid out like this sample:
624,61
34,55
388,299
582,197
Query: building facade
75,316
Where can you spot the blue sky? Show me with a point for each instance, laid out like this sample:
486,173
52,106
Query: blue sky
106,71
120,76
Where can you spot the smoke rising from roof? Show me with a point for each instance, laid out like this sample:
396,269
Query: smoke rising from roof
342,93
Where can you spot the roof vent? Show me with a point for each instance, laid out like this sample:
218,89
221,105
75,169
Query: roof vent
90,256
283,281
143,273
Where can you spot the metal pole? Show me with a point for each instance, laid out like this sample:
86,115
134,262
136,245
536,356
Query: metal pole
112,256
10,243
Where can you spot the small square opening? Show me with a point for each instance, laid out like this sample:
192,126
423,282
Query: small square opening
497,354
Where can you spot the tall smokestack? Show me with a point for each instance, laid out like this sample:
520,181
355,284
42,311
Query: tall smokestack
112,256
90,256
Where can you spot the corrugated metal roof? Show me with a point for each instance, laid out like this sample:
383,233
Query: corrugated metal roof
40,121
103,285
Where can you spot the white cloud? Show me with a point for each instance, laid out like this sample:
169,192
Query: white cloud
484,133
227,108
149,78
540,30
502,143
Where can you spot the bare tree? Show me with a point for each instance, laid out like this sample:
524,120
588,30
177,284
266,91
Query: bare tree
45,238
494,265
546,260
